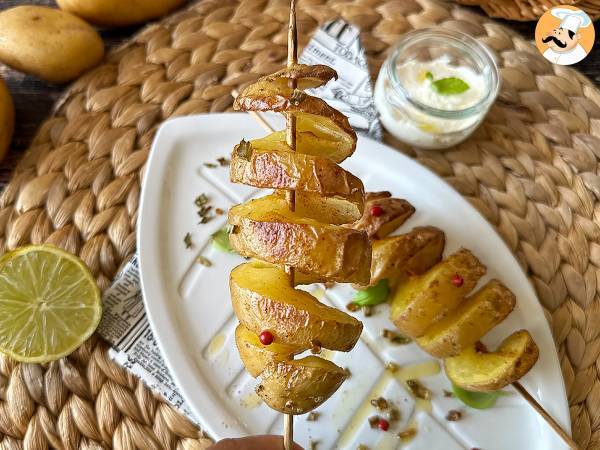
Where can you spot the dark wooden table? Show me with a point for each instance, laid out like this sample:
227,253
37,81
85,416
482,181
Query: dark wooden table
34,98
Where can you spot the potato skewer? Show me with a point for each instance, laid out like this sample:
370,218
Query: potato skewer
297,228
431,255
456,330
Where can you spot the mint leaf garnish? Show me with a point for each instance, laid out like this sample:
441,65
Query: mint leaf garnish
373,295
220,241
449,86
477,400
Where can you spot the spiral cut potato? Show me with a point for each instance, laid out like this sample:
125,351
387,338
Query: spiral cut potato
435,309
278,321
433,303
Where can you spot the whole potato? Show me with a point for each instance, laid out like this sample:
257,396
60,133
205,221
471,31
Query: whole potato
7,118
118,12
52,44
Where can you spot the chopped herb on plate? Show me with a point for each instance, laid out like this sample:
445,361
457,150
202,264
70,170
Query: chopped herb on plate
204,261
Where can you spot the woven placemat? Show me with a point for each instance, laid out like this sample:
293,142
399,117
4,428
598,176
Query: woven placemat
530,9
531,169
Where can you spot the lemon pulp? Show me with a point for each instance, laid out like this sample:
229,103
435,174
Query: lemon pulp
49,303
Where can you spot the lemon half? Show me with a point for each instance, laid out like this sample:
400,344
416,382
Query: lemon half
49,303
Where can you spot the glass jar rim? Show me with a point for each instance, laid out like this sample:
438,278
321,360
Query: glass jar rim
466,44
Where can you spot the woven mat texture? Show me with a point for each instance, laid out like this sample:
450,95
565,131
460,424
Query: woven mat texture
530,9
531,169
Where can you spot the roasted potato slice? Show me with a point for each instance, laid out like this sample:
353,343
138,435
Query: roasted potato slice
479,313
307,77
422,301
315,177
394,212
266,228
315,135
257,356
297,387
320,129
484,372
413,253
263,300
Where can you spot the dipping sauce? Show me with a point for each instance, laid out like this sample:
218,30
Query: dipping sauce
436,88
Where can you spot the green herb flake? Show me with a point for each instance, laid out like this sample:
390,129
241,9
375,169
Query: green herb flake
449,86
201,200
204,261
394,337
373,295
477,400
243,150
187,240
418,389
210,165
429,76
220,241
204,210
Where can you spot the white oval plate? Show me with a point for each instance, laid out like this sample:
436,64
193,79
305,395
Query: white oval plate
190,311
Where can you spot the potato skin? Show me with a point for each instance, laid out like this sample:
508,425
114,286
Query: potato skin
297,387
49,43
481,312
334,137
487,372
257,356
422,301
264,95
263,300
408,254
307,76
396,211
118,12
7,118
296,171
266,229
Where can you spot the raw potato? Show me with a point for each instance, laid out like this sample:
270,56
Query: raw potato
486,372
297,387
424,300
118,12
49,43
479,313
396,211
265,228
412,253
263,300
7,118
255,355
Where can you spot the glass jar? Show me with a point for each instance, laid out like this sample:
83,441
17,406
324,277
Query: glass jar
436,87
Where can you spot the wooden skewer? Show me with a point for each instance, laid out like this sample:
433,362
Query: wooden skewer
547,417
290,137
